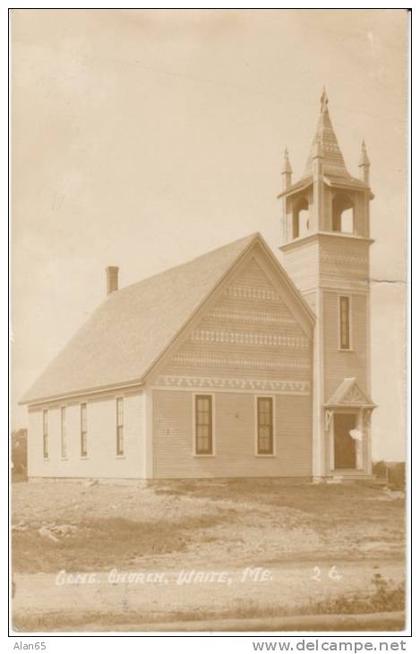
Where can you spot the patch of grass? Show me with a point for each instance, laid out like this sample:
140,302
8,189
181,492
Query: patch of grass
101,544
386,596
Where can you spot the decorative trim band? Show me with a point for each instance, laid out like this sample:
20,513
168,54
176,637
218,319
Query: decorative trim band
259,364
279,386
248,338
251,317
251,293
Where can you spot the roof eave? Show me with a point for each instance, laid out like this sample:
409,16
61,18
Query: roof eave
296,188
339,405
96,390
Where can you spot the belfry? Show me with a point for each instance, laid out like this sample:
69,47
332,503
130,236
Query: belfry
325,245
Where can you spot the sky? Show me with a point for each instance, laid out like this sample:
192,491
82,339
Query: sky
145,138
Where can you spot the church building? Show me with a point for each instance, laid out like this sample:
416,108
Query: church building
229,365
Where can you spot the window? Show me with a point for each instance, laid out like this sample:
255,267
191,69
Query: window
63,433
45,433
265,441
342,214
120,426
83,430
203,424
344,323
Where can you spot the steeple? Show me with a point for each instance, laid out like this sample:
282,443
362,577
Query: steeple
325,247
286,171
333,160
327,199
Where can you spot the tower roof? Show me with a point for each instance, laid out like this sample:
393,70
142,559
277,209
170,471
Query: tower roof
325,147
326,141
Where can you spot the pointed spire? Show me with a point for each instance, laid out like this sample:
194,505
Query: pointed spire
325,141
364,163
286,171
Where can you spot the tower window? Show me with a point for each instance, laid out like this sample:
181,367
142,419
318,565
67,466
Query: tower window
344,308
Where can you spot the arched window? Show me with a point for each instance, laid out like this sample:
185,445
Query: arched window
342,214
300,217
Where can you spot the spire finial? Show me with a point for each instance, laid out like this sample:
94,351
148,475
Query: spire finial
286,170
364,159
286,162
324,100
364,163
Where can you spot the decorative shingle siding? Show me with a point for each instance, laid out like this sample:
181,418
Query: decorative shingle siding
249,333
235,429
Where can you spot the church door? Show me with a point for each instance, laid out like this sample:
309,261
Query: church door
344,444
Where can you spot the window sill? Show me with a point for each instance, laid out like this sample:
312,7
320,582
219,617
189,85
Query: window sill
203,456
342,349
64,458
84,458
265,456
120,456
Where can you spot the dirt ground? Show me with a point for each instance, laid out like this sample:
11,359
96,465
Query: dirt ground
202,550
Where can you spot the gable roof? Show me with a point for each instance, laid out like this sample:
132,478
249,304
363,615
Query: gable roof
133,327
348,393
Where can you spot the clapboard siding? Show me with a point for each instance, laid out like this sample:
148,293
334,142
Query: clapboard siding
235,430
101,460
339,364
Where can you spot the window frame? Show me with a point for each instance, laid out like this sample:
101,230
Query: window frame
63,433
45,439
273,452
83,432
119,402
349,325
212,424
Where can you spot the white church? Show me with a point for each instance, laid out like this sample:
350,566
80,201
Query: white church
228,365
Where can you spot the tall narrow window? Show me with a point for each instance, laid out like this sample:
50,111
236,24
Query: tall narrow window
83,430
203,424
45,433
120,426
344,323
265,441
63,433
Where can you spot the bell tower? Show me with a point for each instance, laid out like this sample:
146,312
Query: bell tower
325,245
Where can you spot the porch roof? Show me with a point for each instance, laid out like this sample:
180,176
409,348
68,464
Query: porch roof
349,394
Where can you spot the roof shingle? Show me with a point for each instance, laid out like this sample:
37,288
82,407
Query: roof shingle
128,332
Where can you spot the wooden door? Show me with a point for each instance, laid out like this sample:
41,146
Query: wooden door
344,444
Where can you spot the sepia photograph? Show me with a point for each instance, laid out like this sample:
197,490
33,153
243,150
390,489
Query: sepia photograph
208,243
